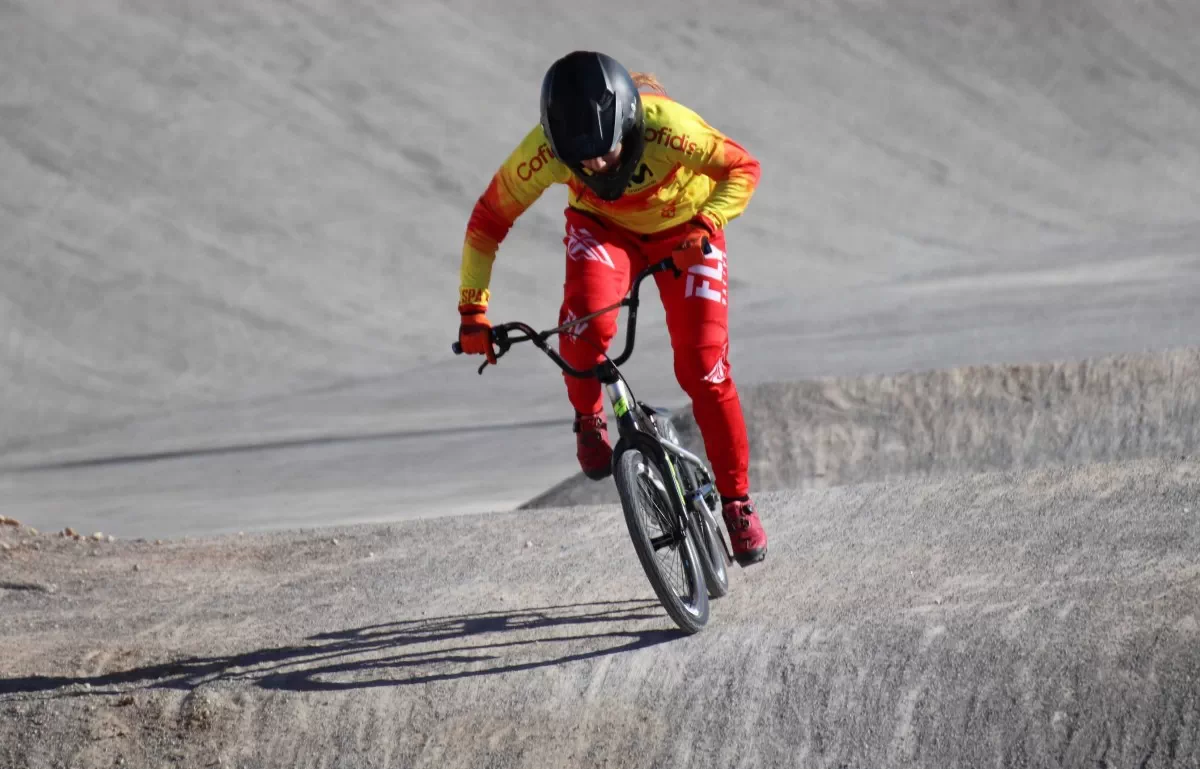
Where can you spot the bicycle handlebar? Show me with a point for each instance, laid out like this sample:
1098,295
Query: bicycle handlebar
500,333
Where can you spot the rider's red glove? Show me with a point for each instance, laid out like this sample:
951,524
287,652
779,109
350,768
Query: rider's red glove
690,251
475,332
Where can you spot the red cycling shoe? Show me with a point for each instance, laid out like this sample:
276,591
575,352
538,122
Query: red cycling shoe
746,532
591,445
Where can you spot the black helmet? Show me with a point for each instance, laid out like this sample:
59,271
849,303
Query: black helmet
589,105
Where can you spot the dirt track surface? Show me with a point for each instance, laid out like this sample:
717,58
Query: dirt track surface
1035,619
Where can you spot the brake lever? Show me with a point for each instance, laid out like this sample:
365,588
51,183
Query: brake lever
500,339
666,264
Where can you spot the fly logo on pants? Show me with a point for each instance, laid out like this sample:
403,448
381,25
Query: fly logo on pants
581,244
720,370
707,281
575,329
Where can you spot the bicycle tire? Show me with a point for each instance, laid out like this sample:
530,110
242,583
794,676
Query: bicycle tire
711,549
709,546
689,612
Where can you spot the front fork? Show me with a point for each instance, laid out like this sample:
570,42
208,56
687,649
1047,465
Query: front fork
622,406
618,395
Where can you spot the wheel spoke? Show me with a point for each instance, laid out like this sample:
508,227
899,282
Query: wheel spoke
654,494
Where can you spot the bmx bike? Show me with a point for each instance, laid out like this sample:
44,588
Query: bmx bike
670,502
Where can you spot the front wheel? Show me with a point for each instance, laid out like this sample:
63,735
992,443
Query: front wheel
667,553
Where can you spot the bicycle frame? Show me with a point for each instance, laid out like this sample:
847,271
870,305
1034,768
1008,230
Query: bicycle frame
687,456
698,494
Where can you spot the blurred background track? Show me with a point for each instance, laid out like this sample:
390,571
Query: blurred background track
239,225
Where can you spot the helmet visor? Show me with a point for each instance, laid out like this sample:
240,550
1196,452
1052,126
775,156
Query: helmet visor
585,131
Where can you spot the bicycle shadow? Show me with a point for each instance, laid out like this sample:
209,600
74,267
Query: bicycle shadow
400,653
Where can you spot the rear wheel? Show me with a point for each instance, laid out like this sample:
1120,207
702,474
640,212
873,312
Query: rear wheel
668,555
705,526
710,544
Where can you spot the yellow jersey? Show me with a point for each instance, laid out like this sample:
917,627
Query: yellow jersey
689,169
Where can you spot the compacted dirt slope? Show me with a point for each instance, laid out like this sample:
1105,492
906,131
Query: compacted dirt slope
846,430
1041,618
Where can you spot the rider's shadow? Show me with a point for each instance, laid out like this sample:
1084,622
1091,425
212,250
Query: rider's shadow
405,652
449,648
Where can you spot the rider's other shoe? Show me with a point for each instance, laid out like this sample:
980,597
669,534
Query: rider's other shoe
746,532
591,445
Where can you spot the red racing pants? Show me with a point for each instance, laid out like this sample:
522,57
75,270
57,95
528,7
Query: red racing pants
602,260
